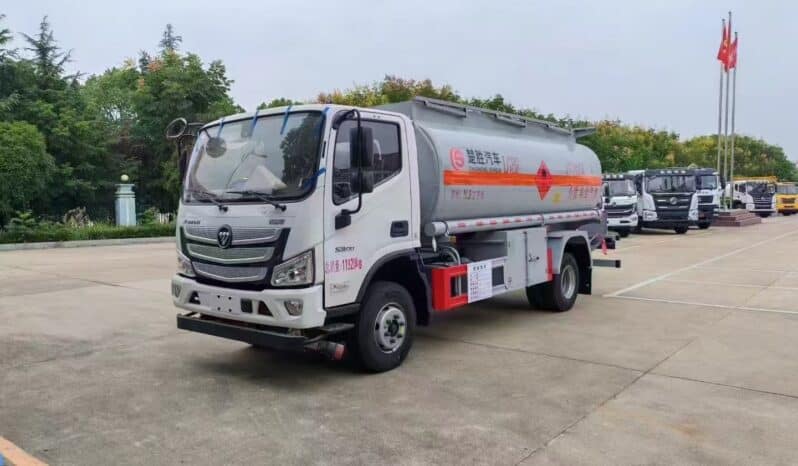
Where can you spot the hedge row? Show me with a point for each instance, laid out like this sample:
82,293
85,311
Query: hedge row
63,233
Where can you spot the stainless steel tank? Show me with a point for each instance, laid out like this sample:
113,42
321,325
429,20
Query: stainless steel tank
476,163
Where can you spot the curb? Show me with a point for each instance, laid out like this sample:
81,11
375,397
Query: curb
85,243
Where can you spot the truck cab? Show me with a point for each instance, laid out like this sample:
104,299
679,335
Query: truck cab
786,195
340,229
708,190
757,195
620,202
666,198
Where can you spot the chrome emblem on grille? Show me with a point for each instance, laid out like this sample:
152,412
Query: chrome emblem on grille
673,200
224,236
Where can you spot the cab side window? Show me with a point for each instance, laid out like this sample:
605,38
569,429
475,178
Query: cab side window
386,163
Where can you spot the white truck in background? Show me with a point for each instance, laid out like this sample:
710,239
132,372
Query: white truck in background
666,198
709,190
620,203
328,227
757,195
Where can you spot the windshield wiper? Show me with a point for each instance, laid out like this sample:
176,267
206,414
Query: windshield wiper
205,195
260,196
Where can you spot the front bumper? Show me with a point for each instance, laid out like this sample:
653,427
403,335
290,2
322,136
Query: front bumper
667,224
207,300
707,211
622,222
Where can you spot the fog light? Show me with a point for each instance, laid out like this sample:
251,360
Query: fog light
175,290
293,306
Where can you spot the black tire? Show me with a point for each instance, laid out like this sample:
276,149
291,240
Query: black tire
764,214
558,295
681,230
704,225
638,228
623,233
383,301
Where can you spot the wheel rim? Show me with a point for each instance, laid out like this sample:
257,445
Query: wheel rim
390,328
568,281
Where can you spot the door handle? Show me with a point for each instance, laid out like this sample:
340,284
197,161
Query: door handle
399,228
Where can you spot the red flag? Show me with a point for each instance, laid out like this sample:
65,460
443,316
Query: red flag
723,50
731,58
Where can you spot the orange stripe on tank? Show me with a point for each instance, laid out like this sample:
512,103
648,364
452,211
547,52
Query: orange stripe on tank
457,178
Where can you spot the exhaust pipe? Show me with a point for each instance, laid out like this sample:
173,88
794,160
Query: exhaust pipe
330,349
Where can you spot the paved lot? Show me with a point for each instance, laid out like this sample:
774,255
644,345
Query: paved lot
686,355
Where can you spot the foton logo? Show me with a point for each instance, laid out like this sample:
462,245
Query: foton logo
457,158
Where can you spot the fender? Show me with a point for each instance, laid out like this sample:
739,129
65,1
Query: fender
557,242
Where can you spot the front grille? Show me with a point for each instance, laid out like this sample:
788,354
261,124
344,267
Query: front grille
230,255
705,199
230,273
787,200
619,211
241,235
674,202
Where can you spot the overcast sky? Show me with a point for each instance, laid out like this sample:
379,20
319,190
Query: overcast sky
645,62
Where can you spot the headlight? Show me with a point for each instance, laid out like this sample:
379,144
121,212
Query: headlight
649,215
693,214
293,272
184,266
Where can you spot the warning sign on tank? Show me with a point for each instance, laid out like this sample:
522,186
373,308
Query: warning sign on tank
480,280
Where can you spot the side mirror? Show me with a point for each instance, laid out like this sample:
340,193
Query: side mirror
367,186
361,146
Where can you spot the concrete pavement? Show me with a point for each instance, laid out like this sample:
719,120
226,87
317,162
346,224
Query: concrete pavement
685,355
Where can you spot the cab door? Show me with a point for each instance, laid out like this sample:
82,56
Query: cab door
387,220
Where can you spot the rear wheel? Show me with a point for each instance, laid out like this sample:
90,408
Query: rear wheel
623,233
560,293
384,332
704,225
681,230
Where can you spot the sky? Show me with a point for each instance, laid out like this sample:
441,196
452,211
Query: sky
650,63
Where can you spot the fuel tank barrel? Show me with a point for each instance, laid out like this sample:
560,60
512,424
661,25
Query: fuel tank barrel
476,163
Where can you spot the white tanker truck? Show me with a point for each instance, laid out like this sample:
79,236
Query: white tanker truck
327,227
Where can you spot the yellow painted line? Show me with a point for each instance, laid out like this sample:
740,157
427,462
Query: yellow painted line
15,456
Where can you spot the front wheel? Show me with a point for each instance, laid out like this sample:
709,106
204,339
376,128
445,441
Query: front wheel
681,230
384,332
623,233
559,294
764,214
704,225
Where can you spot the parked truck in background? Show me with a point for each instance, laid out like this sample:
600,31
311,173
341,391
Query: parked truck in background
708,190
756,194
666,198
620,202
786,195
328,227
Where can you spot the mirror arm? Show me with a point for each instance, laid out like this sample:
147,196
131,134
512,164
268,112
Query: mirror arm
359,162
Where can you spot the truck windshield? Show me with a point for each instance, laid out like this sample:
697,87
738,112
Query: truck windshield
670,183
760,188
708,182
274,156
787,189
620,188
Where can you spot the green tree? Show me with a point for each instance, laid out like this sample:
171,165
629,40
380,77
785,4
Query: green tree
278,102
170,41
25,168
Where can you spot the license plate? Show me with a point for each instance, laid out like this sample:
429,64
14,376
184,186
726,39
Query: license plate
221,302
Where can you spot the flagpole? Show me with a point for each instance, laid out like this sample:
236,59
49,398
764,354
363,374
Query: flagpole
734,104
720,105
726,124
